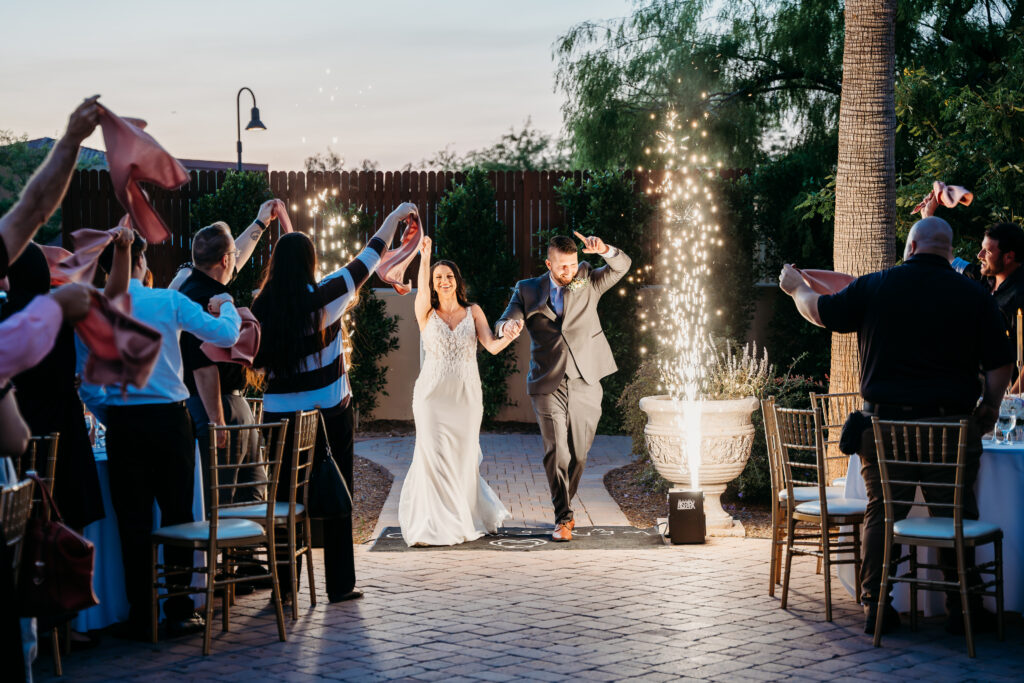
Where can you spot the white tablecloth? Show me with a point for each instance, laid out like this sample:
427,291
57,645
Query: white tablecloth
108,572
1000,490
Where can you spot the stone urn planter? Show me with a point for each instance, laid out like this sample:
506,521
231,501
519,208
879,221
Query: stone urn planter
726,435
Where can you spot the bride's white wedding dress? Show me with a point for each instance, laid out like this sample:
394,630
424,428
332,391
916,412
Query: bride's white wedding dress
444,499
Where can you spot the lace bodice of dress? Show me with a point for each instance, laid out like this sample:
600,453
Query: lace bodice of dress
448,351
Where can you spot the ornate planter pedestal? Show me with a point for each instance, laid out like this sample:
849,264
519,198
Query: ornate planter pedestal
726,435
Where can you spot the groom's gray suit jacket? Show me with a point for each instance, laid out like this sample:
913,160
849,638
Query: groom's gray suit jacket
574,342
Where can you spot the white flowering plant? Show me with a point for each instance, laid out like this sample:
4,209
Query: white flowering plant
737,372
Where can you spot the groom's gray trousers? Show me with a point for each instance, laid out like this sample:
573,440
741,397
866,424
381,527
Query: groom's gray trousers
568,420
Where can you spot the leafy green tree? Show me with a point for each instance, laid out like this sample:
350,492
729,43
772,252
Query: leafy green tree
468,234
18,162
236,202
771,97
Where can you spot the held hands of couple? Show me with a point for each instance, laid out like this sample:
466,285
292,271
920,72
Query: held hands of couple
512,329
266,212
592,244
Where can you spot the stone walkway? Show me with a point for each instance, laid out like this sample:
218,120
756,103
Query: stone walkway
513,466
660,614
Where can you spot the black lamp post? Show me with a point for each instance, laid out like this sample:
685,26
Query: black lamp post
254,121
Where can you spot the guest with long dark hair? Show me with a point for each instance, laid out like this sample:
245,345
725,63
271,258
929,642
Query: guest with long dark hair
302,355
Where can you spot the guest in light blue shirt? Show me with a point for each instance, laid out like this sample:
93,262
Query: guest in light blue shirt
151,446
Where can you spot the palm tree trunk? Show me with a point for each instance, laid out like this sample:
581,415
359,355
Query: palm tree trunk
865,239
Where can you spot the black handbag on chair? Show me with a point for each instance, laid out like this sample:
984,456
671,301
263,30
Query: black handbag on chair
329,497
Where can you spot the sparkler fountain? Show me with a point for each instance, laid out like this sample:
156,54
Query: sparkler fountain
697,444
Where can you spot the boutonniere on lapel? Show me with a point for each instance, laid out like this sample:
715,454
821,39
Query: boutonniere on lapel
578,283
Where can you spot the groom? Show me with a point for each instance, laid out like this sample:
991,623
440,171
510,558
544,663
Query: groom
568,357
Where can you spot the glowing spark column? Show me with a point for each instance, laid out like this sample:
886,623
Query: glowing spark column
688,210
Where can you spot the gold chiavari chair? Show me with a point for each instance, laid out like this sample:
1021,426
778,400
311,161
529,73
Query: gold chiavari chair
804,467
835,408
221,535
292,515
932,455
256,406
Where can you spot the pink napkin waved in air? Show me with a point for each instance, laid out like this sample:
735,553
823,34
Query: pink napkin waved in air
947,195
79,266
134,156
825,281
392,266
281,214
122,350
244,350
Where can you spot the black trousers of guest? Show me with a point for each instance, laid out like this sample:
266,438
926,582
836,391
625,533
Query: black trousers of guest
339,555
236,412
151,456
873,533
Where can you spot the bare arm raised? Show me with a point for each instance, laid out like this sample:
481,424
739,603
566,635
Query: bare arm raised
487,339
422,304
45,189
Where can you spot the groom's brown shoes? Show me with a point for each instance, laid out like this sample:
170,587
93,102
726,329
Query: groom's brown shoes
562,533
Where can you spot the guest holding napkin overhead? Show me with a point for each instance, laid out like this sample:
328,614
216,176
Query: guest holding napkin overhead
151,445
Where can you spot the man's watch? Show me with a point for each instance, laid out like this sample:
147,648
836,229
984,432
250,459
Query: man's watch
260,223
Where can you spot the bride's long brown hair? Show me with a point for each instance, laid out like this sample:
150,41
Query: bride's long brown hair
460,285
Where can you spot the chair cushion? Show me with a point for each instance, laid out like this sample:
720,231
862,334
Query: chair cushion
227,529
941,527
836,506
259,511
805,493
839,482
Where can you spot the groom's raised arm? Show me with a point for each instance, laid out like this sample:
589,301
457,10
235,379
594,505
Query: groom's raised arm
616,265
514,311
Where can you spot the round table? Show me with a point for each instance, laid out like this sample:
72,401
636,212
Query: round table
1000,491
108,572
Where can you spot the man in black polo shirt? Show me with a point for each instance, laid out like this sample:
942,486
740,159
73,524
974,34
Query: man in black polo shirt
925,336
216,390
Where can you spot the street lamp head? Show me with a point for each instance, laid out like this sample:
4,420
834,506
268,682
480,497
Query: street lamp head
254,121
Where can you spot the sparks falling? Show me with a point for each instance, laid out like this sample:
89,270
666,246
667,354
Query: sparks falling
690,232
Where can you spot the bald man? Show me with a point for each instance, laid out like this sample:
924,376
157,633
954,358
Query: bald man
925,335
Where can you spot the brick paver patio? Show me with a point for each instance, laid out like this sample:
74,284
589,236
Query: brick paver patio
661,614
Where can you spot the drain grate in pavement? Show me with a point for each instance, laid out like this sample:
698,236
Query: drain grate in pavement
522,538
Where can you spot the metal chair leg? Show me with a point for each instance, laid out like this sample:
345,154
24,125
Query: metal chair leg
961,570
790,530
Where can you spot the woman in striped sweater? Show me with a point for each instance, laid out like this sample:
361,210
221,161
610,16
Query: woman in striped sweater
302,356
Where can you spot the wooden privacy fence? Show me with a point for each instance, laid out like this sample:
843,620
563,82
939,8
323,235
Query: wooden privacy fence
525,202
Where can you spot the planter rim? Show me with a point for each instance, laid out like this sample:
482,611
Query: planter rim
664,403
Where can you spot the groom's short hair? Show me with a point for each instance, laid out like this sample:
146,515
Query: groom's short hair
563,244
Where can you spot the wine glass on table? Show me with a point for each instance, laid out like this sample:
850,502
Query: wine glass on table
1007,420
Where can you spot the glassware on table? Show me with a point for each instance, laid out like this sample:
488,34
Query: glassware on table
1005,425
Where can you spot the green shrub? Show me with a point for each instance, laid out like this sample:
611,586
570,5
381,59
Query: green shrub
236,202
468,234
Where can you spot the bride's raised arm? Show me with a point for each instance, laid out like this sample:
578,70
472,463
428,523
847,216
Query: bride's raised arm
422,303
486,336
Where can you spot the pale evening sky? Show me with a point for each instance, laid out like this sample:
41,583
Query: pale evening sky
389,80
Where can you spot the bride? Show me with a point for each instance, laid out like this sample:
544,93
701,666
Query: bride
444,499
